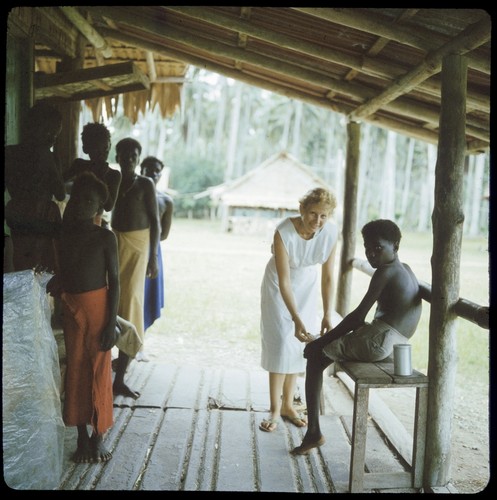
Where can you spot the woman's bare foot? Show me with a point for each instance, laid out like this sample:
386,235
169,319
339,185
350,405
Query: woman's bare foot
292,416
121,389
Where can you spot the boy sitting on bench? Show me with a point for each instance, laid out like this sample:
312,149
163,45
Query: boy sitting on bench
395,290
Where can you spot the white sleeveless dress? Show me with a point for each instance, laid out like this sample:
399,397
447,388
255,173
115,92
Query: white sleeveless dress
281,351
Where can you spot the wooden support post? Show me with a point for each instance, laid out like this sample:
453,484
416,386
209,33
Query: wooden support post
359,432
419,441
349,218
448,221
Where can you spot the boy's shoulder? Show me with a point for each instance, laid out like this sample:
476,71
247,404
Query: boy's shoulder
113,171
112,174
81,163
164,196
143,181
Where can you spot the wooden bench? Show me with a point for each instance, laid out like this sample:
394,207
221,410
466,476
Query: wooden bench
381,375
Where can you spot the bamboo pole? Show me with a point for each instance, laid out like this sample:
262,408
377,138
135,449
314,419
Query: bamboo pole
448,218
88,31
466,309
474,36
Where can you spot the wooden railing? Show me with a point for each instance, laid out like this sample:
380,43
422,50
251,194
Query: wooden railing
480,315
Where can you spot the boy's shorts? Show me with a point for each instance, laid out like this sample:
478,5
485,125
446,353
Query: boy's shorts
129,340
369,343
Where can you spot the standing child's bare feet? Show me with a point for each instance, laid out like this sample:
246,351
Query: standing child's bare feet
83,453
99,452
121,389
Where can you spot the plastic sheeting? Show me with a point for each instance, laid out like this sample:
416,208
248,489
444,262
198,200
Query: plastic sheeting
33,429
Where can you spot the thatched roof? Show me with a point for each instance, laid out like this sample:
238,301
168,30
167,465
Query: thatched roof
158,78
277,183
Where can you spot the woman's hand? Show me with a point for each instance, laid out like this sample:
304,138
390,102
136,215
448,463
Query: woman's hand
301,333
326,326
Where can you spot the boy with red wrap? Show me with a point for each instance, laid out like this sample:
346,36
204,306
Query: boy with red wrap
88,282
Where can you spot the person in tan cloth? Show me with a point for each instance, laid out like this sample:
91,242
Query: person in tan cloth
135,222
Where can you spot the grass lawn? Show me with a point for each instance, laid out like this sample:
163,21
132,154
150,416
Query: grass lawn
213,288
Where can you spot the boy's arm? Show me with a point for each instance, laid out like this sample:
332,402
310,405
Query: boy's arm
152,209
112,264
357,317
71,172
114,181
58,187
285,286
167,218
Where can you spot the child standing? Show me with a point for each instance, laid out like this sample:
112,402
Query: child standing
135,222
96,143
88,281
152,167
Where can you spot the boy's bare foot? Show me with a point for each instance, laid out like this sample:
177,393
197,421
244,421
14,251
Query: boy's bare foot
141,356
307,445
121,389
83,454
99,452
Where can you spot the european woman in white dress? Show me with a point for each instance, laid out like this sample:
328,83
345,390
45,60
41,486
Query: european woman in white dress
289,298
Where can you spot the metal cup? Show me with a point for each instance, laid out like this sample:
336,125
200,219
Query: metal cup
402,360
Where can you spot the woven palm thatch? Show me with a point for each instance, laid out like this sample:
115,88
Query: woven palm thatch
166,95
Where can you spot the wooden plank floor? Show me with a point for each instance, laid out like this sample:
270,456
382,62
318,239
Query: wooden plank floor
196,429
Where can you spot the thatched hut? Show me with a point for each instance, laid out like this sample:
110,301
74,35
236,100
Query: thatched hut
257,200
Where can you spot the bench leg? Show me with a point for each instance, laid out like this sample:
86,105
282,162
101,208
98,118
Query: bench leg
359,434
419,444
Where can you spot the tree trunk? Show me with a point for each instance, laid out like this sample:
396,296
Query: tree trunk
407,182
233,136
220,117
297,123
285,135
387,206
364,190
426,196
161,138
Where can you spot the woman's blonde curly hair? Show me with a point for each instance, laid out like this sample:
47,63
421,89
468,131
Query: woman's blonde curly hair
319,196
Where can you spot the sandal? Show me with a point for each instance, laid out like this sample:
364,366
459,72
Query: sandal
269,425
296,421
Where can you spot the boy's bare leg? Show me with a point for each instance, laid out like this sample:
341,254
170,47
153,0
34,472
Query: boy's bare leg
119,388
313,386
83,453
